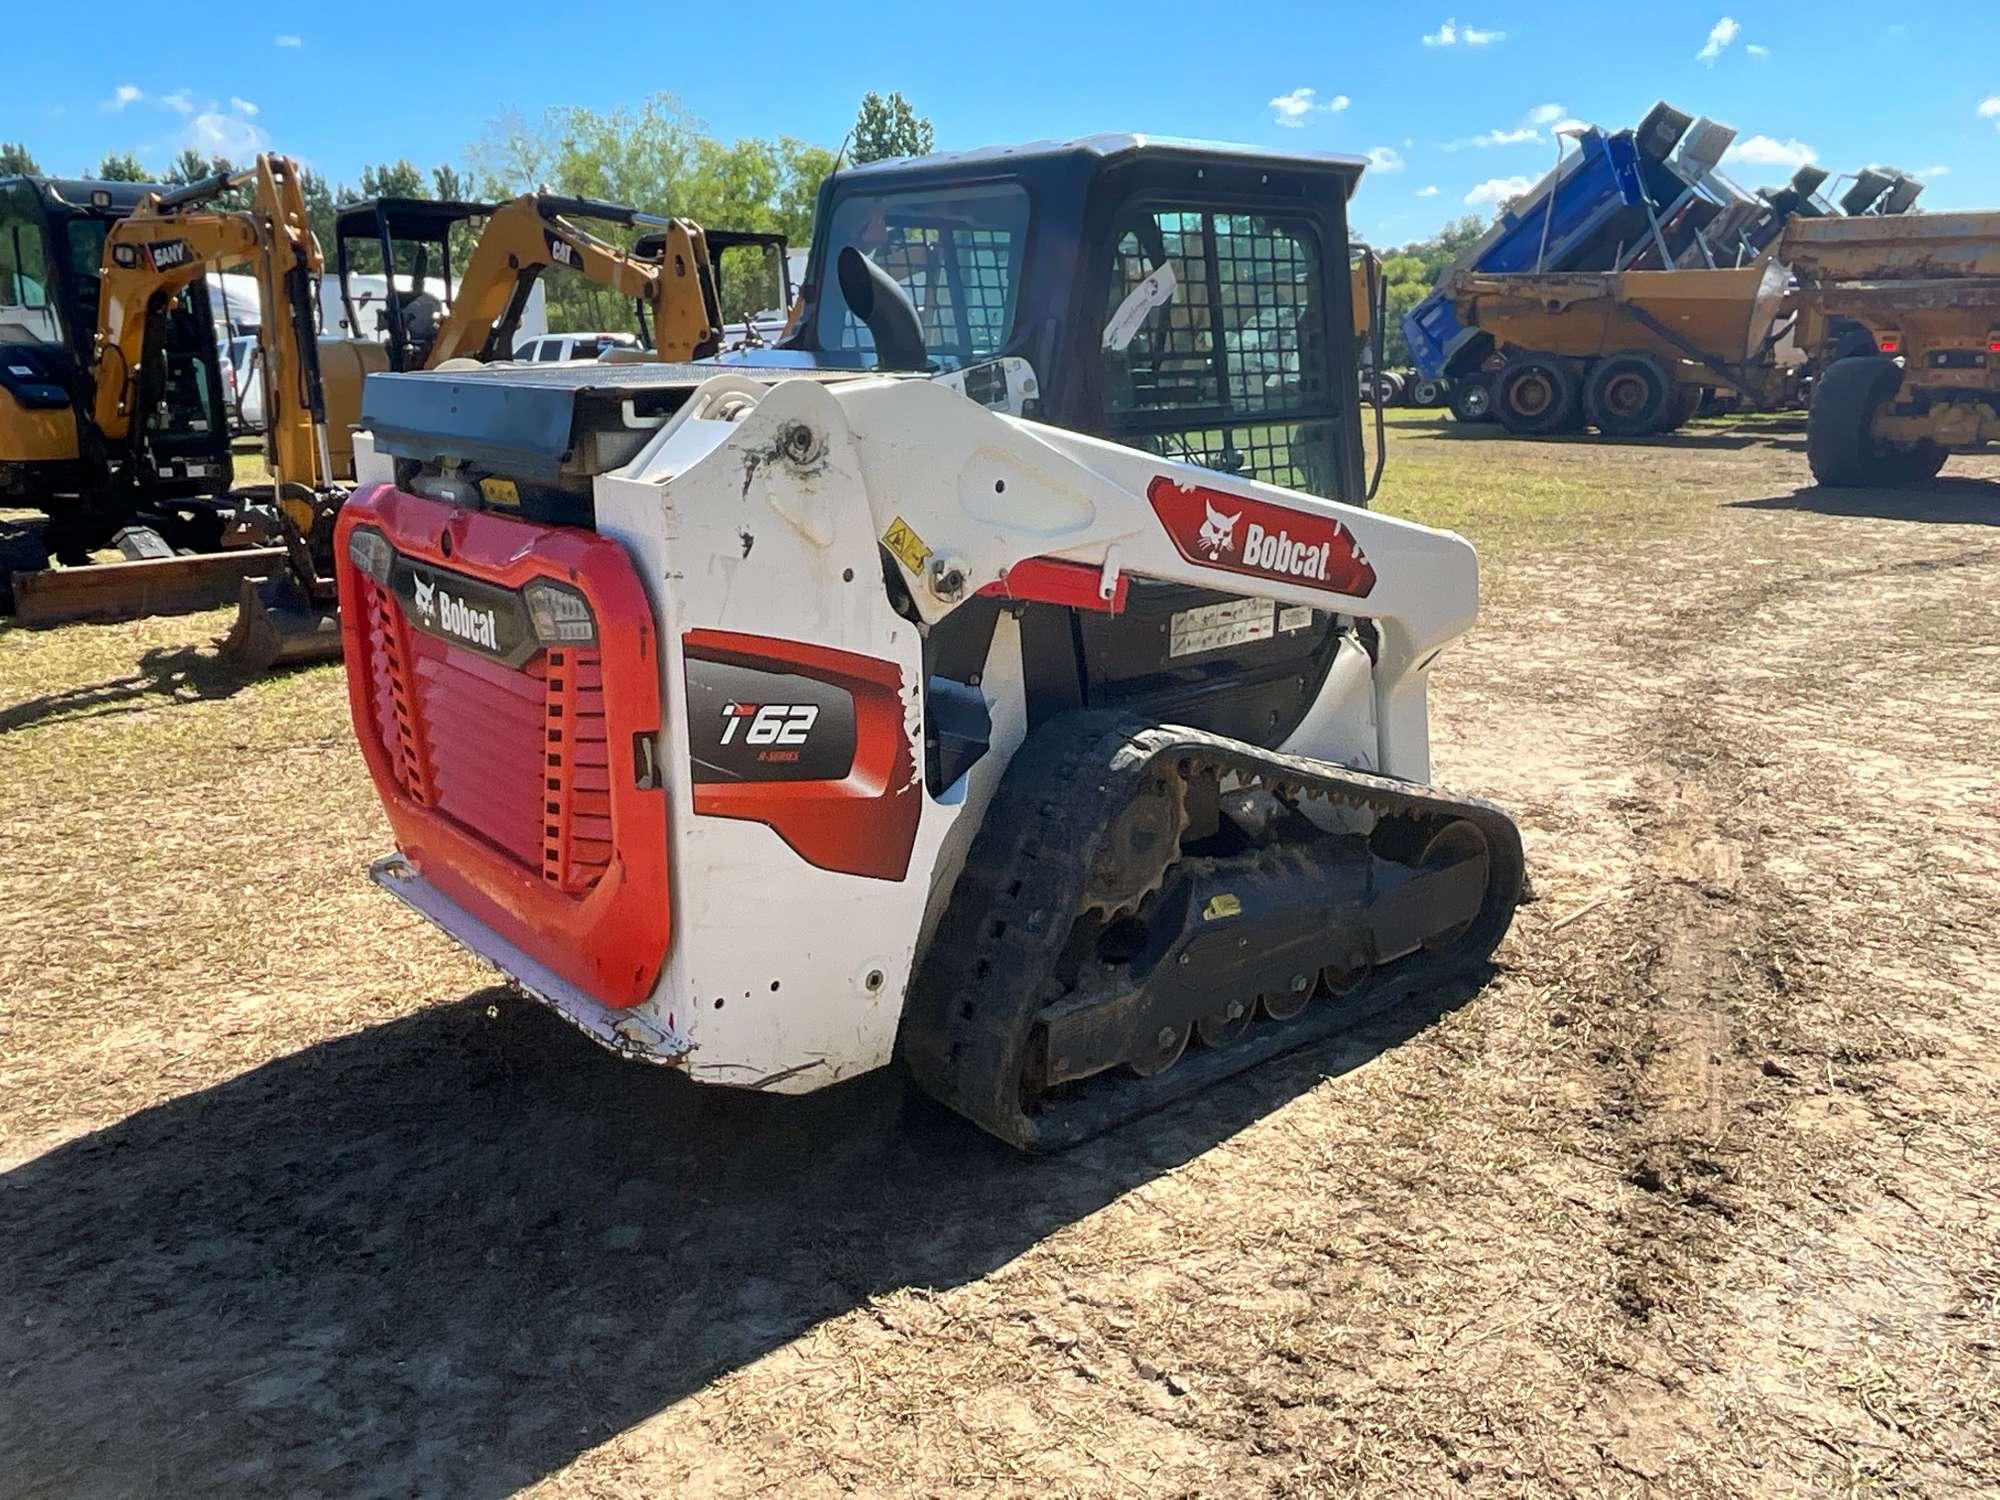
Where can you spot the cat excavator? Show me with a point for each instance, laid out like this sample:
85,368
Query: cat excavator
290,618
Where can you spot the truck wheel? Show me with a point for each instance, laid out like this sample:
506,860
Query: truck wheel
1629,395
1687,406
1398,387
1426,393
1839,447
1379,389
1471,400
1537,394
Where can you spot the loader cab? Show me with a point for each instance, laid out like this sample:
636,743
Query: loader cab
754,283
1188,299
52,234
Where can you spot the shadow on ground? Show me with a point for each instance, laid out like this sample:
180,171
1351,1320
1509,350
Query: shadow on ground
1777,434
449,1254
1940,502
165,676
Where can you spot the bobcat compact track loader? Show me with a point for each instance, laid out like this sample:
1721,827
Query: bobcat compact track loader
772,720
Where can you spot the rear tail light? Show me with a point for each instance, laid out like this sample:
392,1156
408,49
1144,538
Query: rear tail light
370,551
561,616
1889,343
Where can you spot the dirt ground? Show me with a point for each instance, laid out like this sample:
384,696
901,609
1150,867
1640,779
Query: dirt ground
1698,1195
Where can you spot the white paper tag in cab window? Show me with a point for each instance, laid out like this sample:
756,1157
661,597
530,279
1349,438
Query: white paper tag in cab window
1215,626
1155,291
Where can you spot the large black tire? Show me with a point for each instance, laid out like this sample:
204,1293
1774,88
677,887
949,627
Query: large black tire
1538,394
1687,406
1426,393
1471,400
1630,395
1378,390
1839,446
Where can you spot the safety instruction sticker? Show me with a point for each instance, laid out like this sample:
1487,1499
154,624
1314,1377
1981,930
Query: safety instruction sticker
501,492
1214,626
1155,291
907,545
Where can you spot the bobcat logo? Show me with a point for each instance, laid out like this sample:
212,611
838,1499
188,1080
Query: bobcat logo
426,598
1218,532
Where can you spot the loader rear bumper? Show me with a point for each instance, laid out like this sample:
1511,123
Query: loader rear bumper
624,1031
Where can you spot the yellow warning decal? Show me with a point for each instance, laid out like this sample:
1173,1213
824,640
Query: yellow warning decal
907,545
501,492
1224,905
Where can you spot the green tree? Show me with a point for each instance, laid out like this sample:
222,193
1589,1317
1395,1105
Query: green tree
121,166
658,158
15,161
320,204
452,185
393,180
888,127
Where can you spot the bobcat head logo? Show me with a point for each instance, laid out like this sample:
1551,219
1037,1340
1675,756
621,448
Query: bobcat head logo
1218,532
426,597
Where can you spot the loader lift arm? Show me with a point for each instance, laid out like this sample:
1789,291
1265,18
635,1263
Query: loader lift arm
527,235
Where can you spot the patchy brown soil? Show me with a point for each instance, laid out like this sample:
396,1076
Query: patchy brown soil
1699,1196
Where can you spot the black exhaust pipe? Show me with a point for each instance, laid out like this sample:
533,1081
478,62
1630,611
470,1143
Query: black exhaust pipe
879,301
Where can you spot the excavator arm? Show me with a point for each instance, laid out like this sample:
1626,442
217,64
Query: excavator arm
170,241
529,234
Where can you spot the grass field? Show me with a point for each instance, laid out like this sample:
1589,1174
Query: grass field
1699,1195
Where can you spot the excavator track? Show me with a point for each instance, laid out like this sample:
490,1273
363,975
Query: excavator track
1148,909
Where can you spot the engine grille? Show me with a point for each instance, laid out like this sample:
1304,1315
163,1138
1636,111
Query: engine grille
517,758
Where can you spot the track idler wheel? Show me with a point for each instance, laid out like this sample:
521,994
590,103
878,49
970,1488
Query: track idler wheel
1167,1049
1288,1005
1226,1025
1457,841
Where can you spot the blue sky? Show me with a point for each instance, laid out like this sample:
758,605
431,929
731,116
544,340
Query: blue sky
1455,100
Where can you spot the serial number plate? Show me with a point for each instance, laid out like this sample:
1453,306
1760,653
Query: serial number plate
1214,626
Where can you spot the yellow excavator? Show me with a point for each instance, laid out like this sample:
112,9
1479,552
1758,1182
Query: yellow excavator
424,318
139,386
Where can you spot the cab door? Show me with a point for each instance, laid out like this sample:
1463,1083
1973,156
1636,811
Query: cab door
1212,347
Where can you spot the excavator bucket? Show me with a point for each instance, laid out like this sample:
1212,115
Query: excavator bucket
278,625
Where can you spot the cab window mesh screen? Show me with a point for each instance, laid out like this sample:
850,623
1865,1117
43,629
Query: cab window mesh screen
1230,370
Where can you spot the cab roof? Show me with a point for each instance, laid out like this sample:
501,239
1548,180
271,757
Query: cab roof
1108,147
405,217
77,192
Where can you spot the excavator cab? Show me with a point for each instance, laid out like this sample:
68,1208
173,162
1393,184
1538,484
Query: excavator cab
426,243
171,468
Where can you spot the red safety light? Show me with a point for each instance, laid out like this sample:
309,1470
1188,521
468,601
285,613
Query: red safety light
1993,346
1889,345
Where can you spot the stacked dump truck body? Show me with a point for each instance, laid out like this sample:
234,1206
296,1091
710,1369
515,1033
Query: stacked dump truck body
1637,249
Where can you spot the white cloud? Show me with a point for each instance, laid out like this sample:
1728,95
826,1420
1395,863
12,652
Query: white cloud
1756,49
1293,108
288,41
1428,192
242,106
123,95
1768,151
1720,35
1385,159
1989,109
218,134
1451,34
1495,138
1498,190
1545,114
1931,174
180,101
1570,124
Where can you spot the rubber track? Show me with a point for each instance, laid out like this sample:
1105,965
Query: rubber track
988,973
